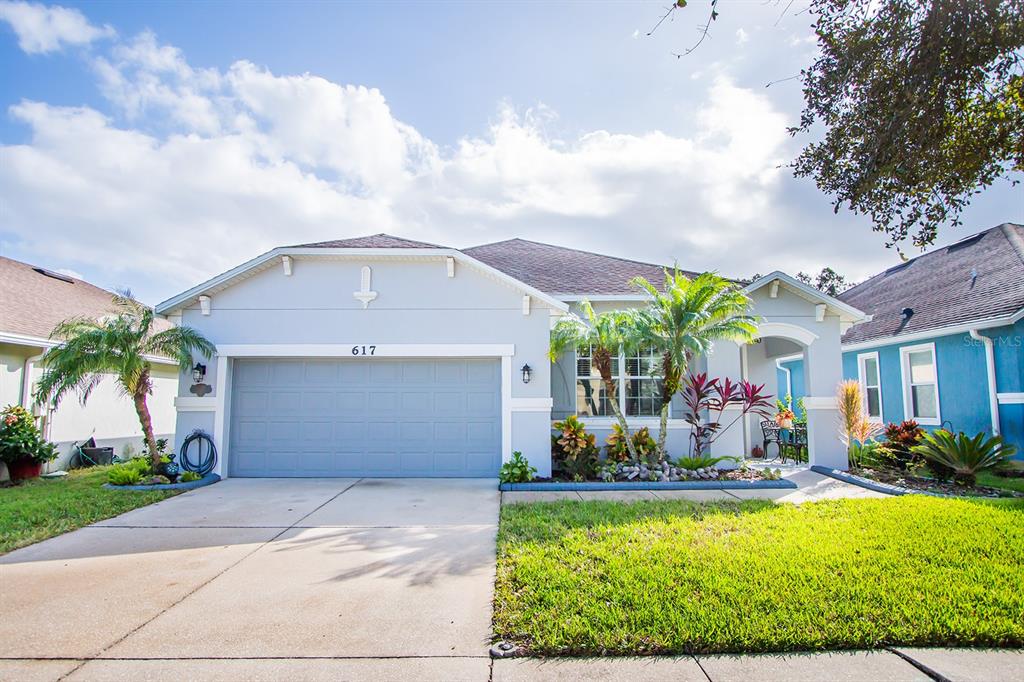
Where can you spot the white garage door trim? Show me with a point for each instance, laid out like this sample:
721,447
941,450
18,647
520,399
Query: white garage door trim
226,353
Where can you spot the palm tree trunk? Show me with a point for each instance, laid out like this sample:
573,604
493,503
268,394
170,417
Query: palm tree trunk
663,430
142,410
602,359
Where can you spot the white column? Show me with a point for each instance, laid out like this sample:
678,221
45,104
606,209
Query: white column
823,366
220,418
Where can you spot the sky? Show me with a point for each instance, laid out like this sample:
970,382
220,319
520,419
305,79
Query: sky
153,145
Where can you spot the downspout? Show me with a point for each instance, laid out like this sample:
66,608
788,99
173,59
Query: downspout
789,377
990,367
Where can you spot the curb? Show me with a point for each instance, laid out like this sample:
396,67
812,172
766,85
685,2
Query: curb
208,479
862,482
781,484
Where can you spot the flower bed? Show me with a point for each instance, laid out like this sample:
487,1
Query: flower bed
626,476
208,479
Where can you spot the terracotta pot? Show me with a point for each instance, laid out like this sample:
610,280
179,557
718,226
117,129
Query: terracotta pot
20,469
785,423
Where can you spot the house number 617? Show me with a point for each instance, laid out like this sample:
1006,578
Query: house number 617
364,350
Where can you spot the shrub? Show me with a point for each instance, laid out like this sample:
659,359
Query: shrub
645,446
141,464
615,446
706,402
855,429
516,470
124,474
20,439
189,476
693,463
964,455
900,439
575,451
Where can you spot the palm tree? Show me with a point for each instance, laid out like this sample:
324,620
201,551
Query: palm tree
606,334
685,320
120,345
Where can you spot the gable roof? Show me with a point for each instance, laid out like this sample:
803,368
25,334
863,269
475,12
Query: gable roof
373,241
35,302
376,246
561,271
846,312
978,279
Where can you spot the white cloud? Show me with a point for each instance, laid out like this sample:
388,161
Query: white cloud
741,36
201,169
41,29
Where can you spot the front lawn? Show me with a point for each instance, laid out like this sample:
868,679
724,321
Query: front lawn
41,508
594,578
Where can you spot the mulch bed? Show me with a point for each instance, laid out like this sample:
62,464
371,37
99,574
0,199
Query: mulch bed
929,485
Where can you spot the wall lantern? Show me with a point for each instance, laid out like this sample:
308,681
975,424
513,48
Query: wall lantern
527,372
198,373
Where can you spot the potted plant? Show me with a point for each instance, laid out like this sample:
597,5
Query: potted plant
784,418
22,447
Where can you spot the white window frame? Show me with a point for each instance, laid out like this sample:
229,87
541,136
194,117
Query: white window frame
620,394
908,402
862,377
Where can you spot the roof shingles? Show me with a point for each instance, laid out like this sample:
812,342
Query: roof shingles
980,279
34,303
560,271
374,241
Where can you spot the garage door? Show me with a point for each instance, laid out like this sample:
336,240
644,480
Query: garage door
380,417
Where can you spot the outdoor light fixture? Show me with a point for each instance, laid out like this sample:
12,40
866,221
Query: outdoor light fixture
198,373
527,372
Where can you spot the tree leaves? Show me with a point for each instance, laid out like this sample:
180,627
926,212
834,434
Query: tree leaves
922,105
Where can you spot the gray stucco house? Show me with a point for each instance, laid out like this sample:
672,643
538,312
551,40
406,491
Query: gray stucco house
387,357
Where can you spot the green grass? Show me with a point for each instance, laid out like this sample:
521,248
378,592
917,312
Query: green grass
1002,482
592,578
41,508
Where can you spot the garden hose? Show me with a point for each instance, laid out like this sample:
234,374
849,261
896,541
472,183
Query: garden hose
198,454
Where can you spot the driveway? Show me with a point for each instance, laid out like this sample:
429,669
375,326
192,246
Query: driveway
263,579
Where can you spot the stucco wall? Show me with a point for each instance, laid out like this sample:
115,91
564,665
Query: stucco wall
12,363
417,303
109,417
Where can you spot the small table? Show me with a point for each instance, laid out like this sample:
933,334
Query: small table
796,439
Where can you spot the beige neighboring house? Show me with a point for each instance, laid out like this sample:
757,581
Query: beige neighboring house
32,302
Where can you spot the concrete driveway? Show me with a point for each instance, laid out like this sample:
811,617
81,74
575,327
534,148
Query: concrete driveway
263,579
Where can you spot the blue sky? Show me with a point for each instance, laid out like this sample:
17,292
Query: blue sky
152,145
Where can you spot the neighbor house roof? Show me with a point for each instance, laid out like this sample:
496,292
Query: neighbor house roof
373,241
35,300
978,279
561,271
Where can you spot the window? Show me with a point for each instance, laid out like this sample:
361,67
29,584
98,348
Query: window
641,397
920,384
871,384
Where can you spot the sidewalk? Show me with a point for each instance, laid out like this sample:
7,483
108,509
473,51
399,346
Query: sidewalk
811,486
952,665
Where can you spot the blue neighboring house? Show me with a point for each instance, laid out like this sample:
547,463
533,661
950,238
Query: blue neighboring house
945,342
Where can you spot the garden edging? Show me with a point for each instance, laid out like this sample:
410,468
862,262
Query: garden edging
208,479
862,482
566,486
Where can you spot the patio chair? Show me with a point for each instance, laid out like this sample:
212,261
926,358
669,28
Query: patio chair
794,439
770,434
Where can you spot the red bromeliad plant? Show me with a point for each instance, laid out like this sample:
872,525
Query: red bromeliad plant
712,397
